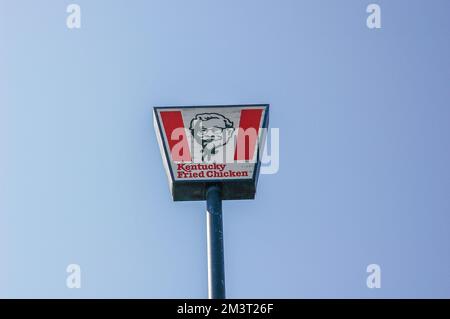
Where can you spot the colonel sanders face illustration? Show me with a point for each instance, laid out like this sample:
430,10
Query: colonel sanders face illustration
211,131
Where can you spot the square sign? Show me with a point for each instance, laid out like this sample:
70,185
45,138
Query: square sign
203,145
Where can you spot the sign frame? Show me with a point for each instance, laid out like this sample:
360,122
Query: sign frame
195,190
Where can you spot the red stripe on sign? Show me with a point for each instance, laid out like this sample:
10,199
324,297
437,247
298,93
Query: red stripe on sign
176,135
247,134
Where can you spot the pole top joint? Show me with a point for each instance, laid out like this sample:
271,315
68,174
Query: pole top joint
216,187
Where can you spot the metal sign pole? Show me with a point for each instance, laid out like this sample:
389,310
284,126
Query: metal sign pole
214,224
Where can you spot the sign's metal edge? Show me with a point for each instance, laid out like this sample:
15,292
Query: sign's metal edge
166,160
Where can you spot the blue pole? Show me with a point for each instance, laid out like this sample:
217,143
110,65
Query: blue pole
214,224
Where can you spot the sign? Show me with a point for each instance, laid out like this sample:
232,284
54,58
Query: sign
201,145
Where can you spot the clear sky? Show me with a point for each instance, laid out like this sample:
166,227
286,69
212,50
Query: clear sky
364,120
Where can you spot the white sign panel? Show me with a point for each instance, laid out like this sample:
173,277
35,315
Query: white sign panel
208,144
